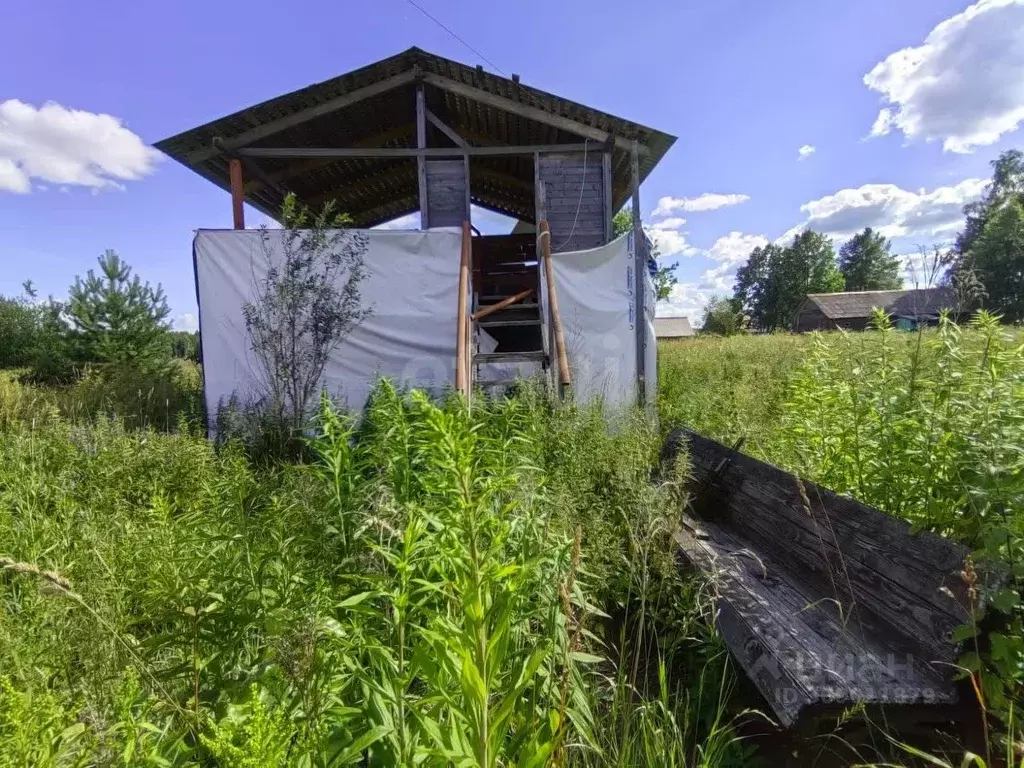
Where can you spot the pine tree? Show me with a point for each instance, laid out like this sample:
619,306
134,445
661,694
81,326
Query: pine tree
119,320
867,263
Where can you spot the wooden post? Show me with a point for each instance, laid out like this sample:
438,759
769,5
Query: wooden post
237,192
556,318
640,269
421,161
462,344
606,183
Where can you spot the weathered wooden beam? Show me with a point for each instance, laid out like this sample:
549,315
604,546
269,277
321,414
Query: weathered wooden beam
490,309
606,176
462,340
298,118
397,152
421,161
446,130
237,193
556,317
315,163
524,110
640,269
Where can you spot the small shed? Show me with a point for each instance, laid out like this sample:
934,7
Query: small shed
852,310
419,132
673,328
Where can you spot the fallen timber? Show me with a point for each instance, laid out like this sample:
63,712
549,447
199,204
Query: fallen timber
827,604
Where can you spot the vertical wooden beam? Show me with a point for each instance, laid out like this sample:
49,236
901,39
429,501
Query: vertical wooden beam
540,214
421,161
462,340
606,178
237,192
556,318
469,196
639,269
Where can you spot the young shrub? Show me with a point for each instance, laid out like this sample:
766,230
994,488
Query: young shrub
306,302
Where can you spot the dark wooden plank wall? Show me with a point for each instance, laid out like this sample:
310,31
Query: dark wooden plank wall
858,555
446,193
571,182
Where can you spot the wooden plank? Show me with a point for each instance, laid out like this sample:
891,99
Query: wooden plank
556,318
237,193
446,186
462,342
490,309
523,110
447,130
421,161
909,581
297,118
397,152
640,269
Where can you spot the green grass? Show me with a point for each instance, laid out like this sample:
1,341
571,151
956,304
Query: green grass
439,587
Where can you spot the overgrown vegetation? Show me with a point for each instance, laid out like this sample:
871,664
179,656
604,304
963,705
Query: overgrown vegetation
927,426
440,586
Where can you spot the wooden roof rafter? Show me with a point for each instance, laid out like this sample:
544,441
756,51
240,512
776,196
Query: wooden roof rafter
353,111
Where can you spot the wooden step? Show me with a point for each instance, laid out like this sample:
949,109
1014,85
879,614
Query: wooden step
497,322
536,356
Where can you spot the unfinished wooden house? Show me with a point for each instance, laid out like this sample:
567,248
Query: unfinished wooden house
418,132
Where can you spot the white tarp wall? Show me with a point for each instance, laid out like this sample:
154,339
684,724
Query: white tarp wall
597,301
412,286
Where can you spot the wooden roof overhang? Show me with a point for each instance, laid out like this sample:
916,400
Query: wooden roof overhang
353,139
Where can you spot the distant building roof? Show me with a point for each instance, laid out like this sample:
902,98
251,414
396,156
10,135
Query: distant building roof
916,303
672,327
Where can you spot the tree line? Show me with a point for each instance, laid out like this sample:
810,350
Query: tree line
110,320
984,266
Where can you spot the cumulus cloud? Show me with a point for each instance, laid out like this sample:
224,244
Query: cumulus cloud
409,221
735,247
65,146
964,85
707,201
671,242
806,151
674,222
891,210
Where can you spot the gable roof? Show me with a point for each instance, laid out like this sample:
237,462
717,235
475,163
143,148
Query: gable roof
916,302
672,327
374,107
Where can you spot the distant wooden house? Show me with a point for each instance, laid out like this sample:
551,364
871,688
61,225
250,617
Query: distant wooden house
852,311
673,328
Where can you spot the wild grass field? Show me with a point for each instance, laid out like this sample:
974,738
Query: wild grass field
440,585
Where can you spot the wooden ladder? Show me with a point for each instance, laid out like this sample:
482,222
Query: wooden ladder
499,294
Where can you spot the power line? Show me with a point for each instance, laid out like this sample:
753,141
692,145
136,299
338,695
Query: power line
439,23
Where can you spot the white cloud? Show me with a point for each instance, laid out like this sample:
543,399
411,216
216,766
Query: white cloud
735,247
806,151
893,211
675,222
708,201
186,322
964,85
686,300
671,242
67,146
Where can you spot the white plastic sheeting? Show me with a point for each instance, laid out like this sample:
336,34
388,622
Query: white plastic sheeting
412,287
597,301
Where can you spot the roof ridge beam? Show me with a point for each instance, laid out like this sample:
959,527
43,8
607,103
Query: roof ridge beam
297,118
529,112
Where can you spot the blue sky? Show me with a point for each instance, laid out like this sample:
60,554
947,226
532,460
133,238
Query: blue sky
744,85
